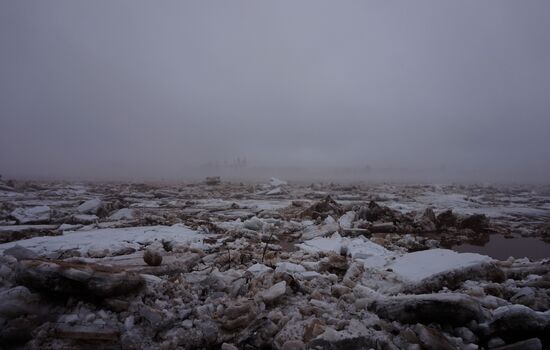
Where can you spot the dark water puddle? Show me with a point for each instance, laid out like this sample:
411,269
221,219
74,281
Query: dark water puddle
502,248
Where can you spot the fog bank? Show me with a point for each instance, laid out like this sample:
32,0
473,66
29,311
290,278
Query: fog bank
419,91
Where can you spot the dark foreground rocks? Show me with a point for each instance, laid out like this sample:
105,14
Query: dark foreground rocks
516,322
21,311
442,308
152,257
76,279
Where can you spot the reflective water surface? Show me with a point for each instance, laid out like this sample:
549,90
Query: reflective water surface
502,248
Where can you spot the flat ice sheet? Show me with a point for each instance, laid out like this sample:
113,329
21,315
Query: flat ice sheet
420,265
110,239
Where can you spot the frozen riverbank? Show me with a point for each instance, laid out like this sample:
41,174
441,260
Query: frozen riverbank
230,265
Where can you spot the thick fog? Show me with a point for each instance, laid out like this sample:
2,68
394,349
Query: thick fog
419,90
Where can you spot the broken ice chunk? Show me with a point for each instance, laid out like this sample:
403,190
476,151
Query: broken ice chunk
357,248
34,215
274,182
91,206
122,214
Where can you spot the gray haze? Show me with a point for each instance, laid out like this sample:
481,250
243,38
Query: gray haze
154,89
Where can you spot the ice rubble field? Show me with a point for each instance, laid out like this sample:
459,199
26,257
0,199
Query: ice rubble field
275,265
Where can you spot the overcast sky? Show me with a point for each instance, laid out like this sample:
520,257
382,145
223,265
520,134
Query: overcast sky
129,87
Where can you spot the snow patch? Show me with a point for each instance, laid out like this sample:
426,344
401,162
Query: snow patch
417,266
32,215
111,239
289,267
